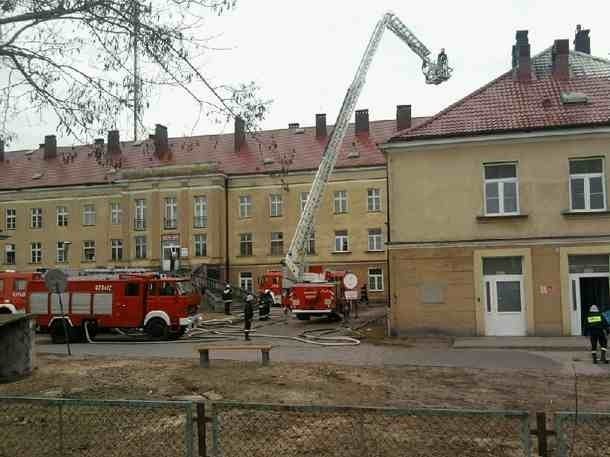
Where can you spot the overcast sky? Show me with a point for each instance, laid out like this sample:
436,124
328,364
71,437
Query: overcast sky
304,55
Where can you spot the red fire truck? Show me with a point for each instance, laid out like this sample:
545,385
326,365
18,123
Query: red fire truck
162,307
13,287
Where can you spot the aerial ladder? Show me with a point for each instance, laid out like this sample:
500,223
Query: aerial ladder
434,72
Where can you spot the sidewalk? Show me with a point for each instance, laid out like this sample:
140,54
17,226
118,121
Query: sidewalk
532,343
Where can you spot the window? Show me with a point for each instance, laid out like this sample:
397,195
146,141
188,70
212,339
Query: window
116,213
310,247
276,203
9,254
375,279
587,185
341,241
89,251
302,200
61,253
373,200
171,211
141,247
116,248
201,245
1,286
89,215
340,200
62,216
277,243
21,285
140,217
245,206
375,240
11,219
36,218
245,281
245,244
36,252
132,289
502,266
201,212
501,189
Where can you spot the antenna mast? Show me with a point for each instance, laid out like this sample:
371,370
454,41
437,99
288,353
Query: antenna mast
136,70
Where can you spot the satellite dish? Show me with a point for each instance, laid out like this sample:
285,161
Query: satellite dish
56,281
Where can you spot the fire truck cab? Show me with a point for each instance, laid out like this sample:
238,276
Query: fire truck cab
13,287
162,307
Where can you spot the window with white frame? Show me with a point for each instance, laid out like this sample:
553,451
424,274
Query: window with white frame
587,185
35,252
310,247
36,218
62,216
302,200
10,255
276,204
245,280
141,247
373,200
116,250
375,279
341,241
201,212
277,243
89,251
171,213
340,201
11,218
501,189
62,252
201,245
245,206
245,244
375,240
140,216
116,213
89,215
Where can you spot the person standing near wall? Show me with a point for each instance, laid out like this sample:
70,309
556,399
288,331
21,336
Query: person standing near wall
597,327
227,298
248,315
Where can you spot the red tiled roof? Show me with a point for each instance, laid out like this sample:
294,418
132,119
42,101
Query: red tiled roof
297,151
506,105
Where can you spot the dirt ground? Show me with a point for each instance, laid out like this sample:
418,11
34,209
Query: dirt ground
162,379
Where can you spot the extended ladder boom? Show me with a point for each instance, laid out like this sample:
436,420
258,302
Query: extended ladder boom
435,73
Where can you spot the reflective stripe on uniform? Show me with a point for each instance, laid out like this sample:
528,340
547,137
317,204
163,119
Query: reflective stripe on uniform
594,319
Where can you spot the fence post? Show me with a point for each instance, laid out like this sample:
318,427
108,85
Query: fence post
61,430
541,432
201,420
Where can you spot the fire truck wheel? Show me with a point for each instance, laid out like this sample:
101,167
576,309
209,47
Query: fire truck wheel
5,311
303,317
157,329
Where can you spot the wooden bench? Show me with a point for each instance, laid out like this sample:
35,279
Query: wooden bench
204,352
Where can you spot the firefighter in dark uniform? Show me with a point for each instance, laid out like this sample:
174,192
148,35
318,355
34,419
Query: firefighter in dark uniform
227,298
264,307
248,315
597,327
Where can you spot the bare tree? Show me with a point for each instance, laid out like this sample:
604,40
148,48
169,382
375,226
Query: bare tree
75,59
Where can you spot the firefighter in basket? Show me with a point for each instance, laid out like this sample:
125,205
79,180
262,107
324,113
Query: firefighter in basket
264,305
597,328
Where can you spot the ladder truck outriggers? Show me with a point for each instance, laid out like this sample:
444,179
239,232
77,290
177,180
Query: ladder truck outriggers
309,294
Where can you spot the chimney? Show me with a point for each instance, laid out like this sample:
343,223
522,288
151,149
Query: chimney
99,142
293,125
362,121
50,147
522,63
114,142
240,133
561,59
582,42
321,126
161,141
403,117
1,150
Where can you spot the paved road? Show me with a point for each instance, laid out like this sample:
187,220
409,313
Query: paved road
294,351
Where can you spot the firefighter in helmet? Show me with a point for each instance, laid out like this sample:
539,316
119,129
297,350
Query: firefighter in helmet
597,327
248,315
264,306
227,298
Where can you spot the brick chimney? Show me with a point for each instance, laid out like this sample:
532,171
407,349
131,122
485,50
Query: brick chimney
1,150
362,122
561,59
321,125
114,142
522,62
50,147
99,142
240,133
403,117
293,125
582,42
161,141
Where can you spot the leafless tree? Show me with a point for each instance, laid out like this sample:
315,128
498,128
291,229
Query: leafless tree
75,58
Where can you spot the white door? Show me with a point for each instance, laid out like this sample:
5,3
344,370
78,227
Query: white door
505,305
575,315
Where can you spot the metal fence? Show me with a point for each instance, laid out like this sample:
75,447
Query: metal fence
32,427
582,434
240,429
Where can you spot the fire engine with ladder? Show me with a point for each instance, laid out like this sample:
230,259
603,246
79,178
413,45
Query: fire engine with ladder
319,293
